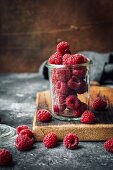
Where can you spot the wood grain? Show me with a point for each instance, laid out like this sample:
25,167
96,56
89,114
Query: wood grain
30,30
101,130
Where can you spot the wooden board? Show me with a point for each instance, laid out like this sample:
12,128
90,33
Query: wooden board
101,130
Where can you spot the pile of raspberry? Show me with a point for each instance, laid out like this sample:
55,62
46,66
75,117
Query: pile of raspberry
68,81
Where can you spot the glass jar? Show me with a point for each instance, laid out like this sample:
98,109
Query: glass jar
69,88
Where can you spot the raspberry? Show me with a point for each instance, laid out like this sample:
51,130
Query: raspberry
56,58
62,74
24,143
43,115
72,84
65,59
99,104
72,102
61,87
5,157
63,47
80,72
88,117
74,59
21,127
71,141
59,108
50,140
26,132
108,145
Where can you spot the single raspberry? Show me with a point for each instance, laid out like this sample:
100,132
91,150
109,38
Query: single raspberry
75,59
99,104
50,140
59,108
24,143
108,145
43,115
56,58
27,132
65,59
21,127
73,84
5,157
63,47
61,87
72,102
80,72
63,74
88,117
71,141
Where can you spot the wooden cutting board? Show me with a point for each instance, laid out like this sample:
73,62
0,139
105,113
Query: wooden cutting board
101,130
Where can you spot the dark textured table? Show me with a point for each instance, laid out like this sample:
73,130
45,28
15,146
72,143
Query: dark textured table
17,106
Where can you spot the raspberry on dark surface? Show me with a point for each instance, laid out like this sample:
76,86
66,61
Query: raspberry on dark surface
108,145
72,102
43,115
24,143
56,58
21,127
50,140
63,47
71,141
27,132
63,74
61,87
99,104
5,157
88,117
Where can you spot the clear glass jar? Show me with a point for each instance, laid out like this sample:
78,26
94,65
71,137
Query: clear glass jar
69,88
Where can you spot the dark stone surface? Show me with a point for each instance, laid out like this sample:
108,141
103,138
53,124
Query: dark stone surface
17,106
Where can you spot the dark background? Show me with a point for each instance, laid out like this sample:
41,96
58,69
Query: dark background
30,30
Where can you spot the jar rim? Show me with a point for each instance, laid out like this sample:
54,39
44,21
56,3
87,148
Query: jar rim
48,65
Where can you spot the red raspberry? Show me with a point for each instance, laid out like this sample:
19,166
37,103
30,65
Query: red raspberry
43,115
50,140
65,59
24,143
59,108
108,145
88,117
80,72
99,104
5,157
63,74
56,58
71,141
61,87
63,47
74,59
72,102
72,84
21,127
26,132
